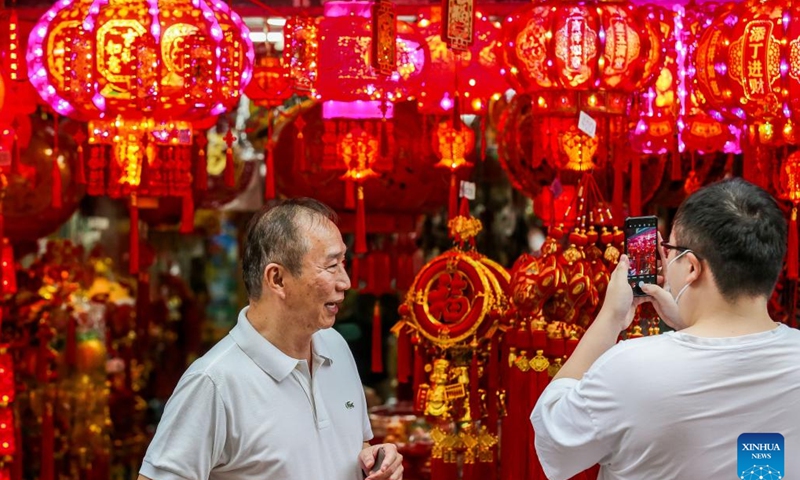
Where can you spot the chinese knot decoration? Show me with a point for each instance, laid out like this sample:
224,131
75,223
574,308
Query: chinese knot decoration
358,151
453,144
748,68
141,72
451,318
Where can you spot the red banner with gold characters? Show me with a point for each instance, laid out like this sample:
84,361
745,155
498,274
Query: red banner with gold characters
458,24
384,35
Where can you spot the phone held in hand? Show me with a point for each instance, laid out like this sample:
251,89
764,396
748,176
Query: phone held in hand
641,238
378,461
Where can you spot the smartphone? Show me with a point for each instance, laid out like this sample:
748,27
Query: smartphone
641,238
378,461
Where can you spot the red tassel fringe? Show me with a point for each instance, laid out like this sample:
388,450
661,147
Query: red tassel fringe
636,186
452,206
792,254
403,357
230,171
269,187
377,339
361,224
133,266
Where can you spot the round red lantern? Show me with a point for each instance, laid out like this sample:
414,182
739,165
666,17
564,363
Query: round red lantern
98,58
575,55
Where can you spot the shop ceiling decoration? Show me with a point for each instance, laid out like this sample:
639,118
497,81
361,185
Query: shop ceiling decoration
472,76
748,68
574,57
141,71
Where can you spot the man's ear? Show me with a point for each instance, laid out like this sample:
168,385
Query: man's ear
696,268
274,278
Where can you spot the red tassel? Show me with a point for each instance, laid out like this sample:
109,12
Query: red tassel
133,266
230,172
56,171
377,339
677,171
619,186
300,145
470,471
792,255
463,209
636,186
419,367
361,224
80,175
47,471
269,187
187,213
349,194
493,380
403,356
15,159
201,172
474,395
452,206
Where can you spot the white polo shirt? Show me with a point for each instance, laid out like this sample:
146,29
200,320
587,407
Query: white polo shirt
245,410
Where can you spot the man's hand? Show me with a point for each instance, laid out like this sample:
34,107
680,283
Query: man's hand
390,469
619,305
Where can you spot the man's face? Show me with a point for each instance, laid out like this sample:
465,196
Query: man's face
315,295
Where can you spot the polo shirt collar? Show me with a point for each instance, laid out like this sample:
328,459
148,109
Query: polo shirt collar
267,356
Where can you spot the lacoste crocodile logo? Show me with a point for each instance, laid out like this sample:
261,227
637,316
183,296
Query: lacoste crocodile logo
349,405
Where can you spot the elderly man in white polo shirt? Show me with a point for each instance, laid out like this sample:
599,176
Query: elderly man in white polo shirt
279,398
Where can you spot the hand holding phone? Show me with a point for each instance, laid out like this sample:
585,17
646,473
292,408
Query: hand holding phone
378,461
641,240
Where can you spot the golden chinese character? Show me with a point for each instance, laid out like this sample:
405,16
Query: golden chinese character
756,85
757,34
755,69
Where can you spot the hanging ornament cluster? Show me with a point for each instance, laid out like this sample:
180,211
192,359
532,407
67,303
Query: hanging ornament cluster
472,76
699,131
451,321
579,60
788,186
656,109
140,72
747,68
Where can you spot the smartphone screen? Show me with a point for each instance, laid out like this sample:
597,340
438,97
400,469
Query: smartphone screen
640,246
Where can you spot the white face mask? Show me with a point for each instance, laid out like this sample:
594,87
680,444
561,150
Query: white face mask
667,286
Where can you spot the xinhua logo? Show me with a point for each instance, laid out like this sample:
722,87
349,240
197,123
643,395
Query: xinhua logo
349,405
760,456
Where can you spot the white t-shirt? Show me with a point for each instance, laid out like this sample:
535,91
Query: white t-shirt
672,407
247,411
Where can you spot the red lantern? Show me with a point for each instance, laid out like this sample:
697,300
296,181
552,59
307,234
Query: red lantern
475,75
271,84
582,56
345,73
453,144
790,190
746,68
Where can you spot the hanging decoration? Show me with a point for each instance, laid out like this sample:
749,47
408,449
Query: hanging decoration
789,189
451,316
140,75
453,143
581,63
746,68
